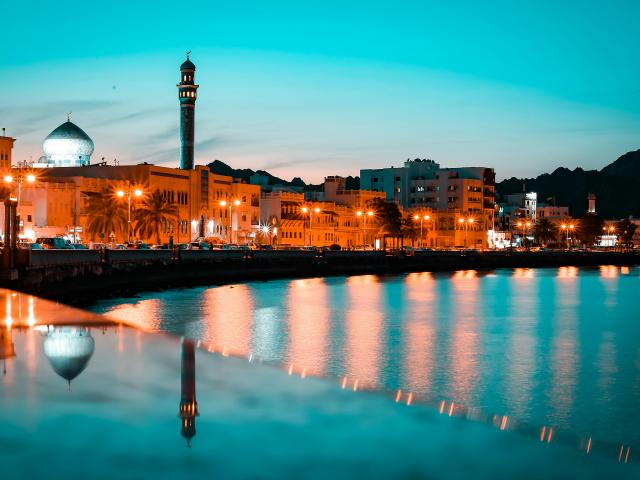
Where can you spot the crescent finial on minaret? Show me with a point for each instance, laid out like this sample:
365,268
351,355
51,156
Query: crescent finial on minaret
68,116
188,53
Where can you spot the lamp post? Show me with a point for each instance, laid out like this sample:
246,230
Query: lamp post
466,222
368,213
224,203
524,226
310,211
129,193
610,229
421,218
567,228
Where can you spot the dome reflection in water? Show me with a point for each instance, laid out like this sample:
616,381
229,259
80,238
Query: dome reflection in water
68,350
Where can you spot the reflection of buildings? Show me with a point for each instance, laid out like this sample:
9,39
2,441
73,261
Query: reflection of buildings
68,350
6,347
188,403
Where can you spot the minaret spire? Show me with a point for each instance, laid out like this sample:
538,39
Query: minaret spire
187,94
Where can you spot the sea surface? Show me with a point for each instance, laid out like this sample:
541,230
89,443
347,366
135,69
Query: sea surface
557,347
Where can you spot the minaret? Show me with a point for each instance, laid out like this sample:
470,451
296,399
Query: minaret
591,199
188,403
187,94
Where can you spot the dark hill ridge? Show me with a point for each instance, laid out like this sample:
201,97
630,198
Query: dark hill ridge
221,168
617,187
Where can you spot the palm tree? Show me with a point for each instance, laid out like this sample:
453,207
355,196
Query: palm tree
545,231
104,215
154,212
625,230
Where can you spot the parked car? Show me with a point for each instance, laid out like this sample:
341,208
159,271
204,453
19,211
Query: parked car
199,246
35,246
230,246
162,246
54,243
79,246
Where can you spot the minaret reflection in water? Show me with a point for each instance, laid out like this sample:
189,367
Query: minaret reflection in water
188,403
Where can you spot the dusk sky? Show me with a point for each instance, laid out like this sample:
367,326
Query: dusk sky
321,88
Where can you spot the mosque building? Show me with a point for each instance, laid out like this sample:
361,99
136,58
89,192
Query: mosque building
66,146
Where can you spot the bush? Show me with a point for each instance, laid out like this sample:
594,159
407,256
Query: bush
335,247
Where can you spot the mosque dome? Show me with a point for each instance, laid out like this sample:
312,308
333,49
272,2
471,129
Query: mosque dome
69,350
68,145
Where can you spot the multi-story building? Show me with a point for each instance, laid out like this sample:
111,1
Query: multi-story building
294,221
461,199
552,212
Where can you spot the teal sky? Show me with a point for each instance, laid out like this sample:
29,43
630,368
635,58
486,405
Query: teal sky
320,88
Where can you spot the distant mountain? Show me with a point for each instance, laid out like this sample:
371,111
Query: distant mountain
617,187
221,168
245,174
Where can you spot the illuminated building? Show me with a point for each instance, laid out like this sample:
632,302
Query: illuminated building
454,193
6,149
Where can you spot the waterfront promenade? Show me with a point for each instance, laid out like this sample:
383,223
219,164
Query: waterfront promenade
68,275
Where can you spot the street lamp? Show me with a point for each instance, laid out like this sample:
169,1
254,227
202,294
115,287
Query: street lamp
421,218
524,226
224,203
468,221
129,193
567,228
368,213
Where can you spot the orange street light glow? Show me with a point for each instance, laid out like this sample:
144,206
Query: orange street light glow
8,178
120,193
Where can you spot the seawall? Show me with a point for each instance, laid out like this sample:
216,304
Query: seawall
81,276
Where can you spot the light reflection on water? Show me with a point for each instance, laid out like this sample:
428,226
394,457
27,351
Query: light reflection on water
552,347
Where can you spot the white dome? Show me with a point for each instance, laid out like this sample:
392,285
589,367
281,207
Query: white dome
68,145
69,350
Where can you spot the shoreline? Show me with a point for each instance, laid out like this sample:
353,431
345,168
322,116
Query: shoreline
128,273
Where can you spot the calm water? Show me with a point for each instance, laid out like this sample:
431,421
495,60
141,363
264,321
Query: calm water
554,347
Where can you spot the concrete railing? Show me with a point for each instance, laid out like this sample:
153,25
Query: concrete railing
137,256
42,258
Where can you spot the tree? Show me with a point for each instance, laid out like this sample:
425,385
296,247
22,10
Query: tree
590,229
625,229
545,231
388,216
154,212
105,215
410,228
